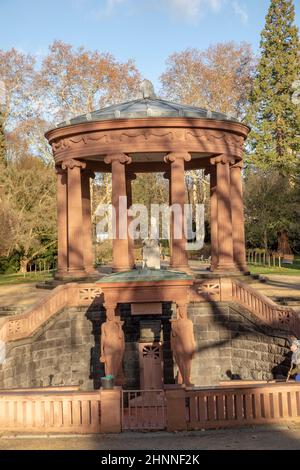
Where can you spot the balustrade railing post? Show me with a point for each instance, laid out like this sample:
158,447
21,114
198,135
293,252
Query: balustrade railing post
176,410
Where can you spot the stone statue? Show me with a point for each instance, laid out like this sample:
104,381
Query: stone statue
183,345
151,253
112,344
283,243
147,89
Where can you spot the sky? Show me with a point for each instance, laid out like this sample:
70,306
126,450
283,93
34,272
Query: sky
145,30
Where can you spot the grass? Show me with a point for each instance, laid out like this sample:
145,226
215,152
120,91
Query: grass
21,279
286,270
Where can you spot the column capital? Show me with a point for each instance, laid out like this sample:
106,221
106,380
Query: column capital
238,164
224,158
72,163
120,157
173,156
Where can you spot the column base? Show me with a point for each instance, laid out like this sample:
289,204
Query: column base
181,268
74,275
121,269
224,268
244,270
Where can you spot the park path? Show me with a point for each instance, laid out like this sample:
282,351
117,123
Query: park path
279,287
20,296
260,438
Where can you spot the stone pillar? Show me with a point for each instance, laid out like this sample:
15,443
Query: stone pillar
213,218
237,211
176,409
120,241
62,234
179,259
225,239
75,231
87,222
129,178
167,176
110,415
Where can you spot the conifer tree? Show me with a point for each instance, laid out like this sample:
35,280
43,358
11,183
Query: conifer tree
273,113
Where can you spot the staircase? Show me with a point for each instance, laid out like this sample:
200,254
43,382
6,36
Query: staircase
16,327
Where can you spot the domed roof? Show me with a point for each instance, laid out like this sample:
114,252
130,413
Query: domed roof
147,106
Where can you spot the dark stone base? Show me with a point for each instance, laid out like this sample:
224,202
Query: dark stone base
65,351
231,344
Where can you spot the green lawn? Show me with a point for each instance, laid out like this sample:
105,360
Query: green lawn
21,279
287,270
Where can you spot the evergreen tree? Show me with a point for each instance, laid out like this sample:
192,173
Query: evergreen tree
273,114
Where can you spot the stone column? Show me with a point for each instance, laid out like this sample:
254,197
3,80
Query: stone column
167,176
120,241
213,217
75,231
225,240
87,222
179,259
237,211
62,235
129,178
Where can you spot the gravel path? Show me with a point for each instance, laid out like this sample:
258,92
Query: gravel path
260,438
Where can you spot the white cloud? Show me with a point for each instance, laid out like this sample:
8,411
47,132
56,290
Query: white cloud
193,9
108,9
112,4
188,10
240,10
215,5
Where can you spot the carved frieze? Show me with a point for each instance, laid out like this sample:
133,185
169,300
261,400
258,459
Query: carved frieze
169,139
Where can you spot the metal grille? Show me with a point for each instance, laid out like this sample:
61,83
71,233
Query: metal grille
143,409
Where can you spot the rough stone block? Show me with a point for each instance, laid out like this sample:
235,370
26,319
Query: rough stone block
57,333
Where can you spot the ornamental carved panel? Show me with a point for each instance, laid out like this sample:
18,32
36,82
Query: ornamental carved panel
14,327
206,290
90,294
284,318
90,139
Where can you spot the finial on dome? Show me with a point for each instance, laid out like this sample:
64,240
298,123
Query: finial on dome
147,89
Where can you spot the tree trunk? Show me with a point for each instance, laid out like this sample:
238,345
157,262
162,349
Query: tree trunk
23,265
266,241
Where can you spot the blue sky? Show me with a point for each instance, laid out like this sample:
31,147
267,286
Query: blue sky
146,30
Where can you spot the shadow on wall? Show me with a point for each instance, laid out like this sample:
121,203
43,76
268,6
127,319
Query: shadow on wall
236,329
236,346
132,329
96,315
